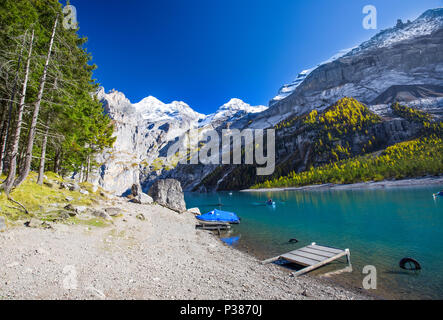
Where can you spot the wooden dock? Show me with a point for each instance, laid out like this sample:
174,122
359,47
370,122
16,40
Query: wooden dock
214,227
312,257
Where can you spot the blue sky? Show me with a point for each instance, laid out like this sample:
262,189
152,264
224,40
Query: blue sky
205,52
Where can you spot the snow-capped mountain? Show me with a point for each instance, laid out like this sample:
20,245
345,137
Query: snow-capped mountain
153,110
408,53
230,112
145,130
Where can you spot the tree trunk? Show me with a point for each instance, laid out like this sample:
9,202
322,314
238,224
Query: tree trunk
2,138
41,169
7,185
31,137
57,159
80,175
88,168
7,124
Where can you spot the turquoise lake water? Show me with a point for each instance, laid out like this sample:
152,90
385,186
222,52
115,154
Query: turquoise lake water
380,227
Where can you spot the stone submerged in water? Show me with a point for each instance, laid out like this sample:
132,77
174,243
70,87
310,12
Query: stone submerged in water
168,193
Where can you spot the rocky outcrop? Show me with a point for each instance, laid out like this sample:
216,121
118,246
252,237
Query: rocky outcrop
137,146
168,193
146,130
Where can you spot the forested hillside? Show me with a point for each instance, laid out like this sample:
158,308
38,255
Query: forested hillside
415,158
342,144
50,119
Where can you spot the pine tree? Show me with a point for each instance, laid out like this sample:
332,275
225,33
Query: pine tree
66,126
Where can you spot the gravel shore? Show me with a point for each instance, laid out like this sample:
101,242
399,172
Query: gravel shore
161,257
430,181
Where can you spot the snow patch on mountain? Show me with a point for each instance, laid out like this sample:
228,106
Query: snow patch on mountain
287,89
427,23
231,111
154,110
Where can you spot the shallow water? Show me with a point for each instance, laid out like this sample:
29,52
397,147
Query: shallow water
380,227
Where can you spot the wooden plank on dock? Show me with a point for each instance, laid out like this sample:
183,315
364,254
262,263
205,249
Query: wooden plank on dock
326,249
308,255
317,252
312,257
298,259
318,265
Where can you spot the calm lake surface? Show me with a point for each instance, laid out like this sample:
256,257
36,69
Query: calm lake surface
380,227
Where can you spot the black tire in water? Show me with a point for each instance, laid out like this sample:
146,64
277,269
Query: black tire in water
410,264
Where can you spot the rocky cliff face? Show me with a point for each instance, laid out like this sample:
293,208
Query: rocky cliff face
145,131
300,146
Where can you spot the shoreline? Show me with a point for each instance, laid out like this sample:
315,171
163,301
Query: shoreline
329,277
160,257
413,182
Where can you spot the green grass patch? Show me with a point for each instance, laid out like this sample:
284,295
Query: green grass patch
41,201
93,222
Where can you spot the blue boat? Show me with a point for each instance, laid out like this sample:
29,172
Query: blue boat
218,217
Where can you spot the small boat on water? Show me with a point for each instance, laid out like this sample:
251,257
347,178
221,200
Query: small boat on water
217,217
440,194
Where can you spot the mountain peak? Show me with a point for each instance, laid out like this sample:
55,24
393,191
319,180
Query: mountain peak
234,101
153,110
236,104
113,97
150,100
432,13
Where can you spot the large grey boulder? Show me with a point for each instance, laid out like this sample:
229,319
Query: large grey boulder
168,193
